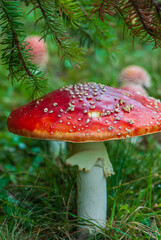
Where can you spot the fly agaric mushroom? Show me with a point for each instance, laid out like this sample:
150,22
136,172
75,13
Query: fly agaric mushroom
38,50
88,114
135,75
135,88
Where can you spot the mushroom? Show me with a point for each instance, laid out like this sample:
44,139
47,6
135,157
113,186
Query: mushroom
38,50
135,88
88,114
135,75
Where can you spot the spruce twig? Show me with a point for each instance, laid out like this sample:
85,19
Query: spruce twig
54,26
143,17
94,32
14,54
72,11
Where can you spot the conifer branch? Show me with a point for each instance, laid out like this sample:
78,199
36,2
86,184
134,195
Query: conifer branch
103,8
14,53
54,26
71,10
94,32
143,17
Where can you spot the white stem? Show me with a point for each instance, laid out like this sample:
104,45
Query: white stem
92,197
93,168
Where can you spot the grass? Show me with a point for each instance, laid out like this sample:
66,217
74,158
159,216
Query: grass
38,191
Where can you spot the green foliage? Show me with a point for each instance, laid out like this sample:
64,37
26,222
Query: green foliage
71,11
95,34
141,17
14,53
53,26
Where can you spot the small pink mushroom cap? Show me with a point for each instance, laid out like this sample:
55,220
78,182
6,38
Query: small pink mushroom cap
38,50
135,88
87,112
135,75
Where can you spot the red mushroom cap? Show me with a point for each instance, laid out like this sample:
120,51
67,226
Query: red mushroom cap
38,50
135,88
87,112
135,74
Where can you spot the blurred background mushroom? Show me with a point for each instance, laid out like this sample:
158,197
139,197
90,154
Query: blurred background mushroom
135,79
135,75
38,50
